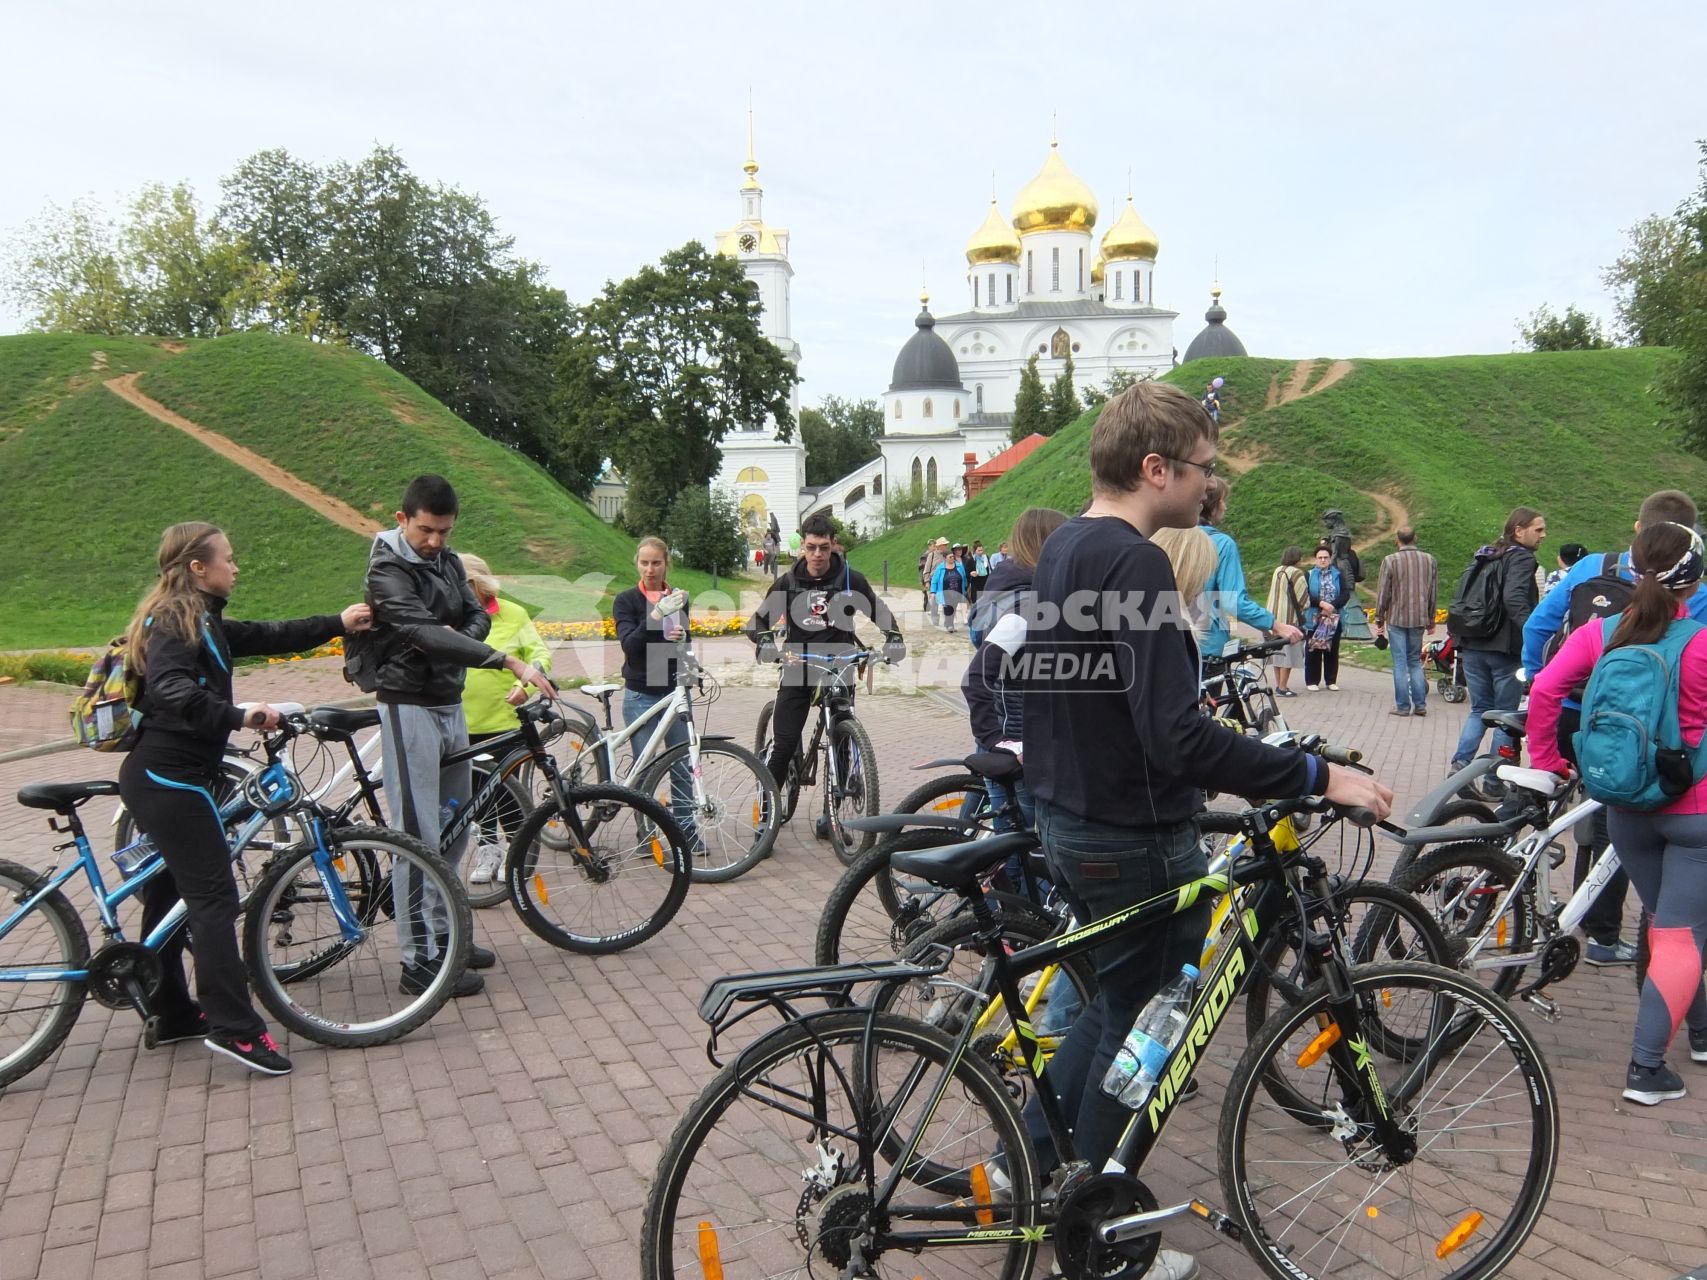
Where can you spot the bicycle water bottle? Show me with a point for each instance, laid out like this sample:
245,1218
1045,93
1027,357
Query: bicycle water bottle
132,856
1143,1054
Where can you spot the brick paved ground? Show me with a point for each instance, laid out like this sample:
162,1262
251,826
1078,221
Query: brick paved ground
516,1135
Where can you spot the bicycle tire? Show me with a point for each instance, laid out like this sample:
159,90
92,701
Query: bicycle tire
737,826
735,1167
788,786
340,991
1458,809
858,795
1459,884
38,1015
633,842
488,838
949,796
869,914
1323,1201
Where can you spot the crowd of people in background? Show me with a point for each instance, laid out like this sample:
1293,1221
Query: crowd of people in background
954,574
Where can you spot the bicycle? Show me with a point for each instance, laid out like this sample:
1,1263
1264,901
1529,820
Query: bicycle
868,1144
593,867
1236,686
839,744
721,794
317,937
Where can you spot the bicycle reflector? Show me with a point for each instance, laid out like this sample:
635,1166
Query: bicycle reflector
657,851
1325,1039
710,1261
981,1195
539,887
1508,751
1455,1238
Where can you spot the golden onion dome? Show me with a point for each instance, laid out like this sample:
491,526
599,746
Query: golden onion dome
1055,200
1097,270
994,241
1129,237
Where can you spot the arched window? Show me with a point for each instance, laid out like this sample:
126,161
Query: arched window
1029,287
919,473
975,291
930,476
928,412
752,475
1010,288
1081,270
957,406
992,289
876,485
979,390
897,408
1055,269
1118,276
856,494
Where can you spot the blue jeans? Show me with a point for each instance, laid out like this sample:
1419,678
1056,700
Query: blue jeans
1100,869
636,703
1492,681
1410,681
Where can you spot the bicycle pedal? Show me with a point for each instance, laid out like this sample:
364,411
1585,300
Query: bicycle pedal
1545,1009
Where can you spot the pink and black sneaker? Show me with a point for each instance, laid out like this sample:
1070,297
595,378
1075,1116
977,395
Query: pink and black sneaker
260,1054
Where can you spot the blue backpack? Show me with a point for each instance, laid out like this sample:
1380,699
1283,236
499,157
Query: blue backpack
1630,747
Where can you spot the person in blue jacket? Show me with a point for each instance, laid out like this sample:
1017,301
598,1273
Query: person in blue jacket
1605,917
1226,590
948,582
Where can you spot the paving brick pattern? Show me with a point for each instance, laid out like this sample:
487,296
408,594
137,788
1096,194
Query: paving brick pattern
516,1135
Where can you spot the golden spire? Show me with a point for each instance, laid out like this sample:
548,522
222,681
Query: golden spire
1055,200
752,165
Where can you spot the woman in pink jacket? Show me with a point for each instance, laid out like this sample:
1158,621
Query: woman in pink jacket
1664,850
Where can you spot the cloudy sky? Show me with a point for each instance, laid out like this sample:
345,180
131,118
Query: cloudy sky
1374,180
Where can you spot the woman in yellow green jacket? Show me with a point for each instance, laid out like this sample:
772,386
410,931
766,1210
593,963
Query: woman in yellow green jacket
490,698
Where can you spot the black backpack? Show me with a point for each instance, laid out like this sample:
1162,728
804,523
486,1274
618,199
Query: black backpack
1601,596
1477,611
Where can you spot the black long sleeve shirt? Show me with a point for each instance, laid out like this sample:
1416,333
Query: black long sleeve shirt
1129,746
648,658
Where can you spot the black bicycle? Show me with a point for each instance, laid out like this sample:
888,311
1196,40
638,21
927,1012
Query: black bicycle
1416,1135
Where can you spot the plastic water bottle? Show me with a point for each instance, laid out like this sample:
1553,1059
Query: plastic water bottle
1143,1054
132,856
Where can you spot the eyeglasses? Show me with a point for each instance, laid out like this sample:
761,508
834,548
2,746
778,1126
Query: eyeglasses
1208,468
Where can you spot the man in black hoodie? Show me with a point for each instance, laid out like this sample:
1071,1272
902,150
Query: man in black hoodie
812,606
1491,662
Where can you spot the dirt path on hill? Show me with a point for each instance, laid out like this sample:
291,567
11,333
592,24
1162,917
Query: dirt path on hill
324,504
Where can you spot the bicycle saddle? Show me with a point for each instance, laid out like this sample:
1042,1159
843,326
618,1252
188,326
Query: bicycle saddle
1511,721
600,691
63,796
997,766
343,720
958,866
1539,781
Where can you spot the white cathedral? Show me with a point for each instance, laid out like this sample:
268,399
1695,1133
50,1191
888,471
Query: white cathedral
1038,283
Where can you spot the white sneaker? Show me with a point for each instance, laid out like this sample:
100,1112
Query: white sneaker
1313,688
487,859
1171,1264
1334,687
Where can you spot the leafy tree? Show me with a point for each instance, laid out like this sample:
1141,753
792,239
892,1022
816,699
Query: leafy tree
658,369
1573,331
1112,386
273,203
1064,403
839,437
1031,404
1649,280
65,271
913,501
704,527
1684,385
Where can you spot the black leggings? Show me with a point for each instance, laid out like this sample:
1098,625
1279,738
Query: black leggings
169,792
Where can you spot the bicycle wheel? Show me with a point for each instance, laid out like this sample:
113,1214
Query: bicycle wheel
1462,885
871,913
494,824
280,833
854,794
611,893
773,1169
1265,713
953,795
322,936
733,829
1460,809
1324,1201
788,786
35,1017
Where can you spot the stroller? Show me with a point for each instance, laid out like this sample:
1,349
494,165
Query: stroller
1446,659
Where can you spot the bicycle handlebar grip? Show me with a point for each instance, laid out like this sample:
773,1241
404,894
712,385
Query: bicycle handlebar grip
1347,756
1359,816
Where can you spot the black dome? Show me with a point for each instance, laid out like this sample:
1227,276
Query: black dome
1217,341
926,363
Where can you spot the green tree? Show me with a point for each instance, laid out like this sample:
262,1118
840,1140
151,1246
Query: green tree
65,271
1684,385
1064,403
704,527
192,278
914,500
273,203
658,369
1112,386
839,436
1648,282
1573,331
1031,404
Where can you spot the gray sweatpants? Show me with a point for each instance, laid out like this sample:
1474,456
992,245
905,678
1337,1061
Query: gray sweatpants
421,793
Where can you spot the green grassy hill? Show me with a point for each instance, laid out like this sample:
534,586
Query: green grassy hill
1458,441
89,481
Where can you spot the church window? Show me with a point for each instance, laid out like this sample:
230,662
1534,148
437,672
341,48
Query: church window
1010,288
1055,269
990,293
897,408
1029,286
975,291
1081,270
930,476
1118,276
752,475
929,412
918,474
957,406
876,486
980,392
856,494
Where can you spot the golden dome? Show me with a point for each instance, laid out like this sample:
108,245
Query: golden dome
1055,200
994,241
1129,237
749,238
1097,271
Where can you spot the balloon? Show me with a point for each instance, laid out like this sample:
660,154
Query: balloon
794,542
1218,383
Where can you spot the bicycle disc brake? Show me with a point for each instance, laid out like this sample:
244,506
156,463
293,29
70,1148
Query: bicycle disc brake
117,967
1079,1253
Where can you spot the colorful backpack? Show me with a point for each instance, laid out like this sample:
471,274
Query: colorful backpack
1630,748
104,715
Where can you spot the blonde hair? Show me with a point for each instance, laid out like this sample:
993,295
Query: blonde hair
174,604
1192,555
480,575
1031,531
652,540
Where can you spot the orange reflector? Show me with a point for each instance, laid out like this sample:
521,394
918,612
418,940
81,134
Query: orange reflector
657,851
1324,1041
1386,997
758,814
981,1195
1499,931
710,1262
1373,1212
947,806
539,888
1456,1237
338,862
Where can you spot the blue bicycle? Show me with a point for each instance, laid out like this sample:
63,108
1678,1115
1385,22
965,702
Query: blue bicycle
320,941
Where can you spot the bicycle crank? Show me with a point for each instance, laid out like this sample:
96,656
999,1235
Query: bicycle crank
1557,962
125,975
1084,1250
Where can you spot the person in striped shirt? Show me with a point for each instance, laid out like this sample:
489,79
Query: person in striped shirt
1404,613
